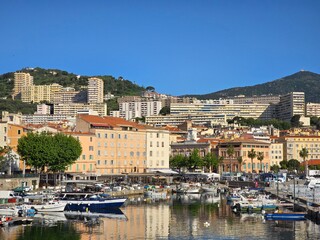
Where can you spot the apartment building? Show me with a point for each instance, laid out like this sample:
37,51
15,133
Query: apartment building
72,109
291,104
178,119
262,99
134,109
21,81
255,110
241,148
125,147
69,95
95,90
40,93
292,146
313,109
276,153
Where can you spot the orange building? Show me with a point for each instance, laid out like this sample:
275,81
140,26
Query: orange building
241,149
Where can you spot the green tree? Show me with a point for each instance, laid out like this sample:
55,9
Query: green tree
252,154
260,157
293,164
295,121
304,154
44,150
275,168
284,164
178,162
165,110
194,160
210,161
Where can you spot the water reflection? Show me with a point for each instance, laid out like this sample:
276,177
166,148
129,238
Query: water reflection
178,217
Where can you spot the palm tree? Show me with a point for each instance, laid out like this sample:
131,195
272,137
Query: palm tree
252,154
240,161
230,153
260,157
304,154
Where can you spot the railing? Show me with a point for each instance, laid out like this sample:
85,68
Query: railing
27,175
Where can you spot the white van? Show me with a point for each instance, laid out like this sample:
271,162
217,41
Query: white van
312,182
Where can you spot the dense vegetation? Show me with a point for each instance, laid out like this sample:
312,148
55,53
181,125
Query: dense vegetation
16,106
117,86
302,81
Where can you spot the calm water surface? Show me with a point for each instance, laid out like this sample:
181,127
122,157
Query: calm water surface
180,217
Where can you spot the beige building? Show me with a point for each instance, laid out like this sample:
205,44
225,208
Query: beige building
71,109
21,81
291,104
39,93
313,109
86,164
95,90
293,144
124,147
276,153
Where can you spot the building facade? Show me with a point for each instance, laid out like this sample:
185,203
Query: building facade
95,90
290,105
21,81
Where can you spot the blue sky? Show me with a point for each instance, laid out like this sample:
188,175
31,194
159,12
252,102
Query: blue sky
177,46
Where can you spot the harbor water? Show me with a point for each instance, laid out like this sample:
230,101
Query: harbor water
192,216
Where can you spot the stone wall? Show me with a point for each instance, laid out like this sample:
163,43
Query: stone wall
10,183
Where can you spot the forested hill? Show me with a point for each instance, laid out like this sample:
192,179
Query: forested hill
117,86
302,81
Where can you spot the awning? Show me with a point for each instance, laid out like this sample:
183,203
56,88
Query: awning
165,171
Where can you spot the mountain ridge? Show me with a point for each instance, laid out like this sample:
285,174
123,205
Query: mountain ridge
302,81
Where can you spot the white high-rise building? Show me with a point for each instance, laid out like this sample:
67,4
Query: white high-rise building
95,90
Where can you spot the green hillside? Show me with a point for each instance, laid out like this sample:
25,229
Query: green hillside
302,81
117,86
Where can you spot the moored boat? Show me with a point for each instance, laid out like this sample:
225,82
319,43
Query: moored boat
285,216
88,202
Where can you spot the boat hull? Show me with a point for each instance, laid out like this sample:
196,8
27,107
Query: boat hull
285,216
94,205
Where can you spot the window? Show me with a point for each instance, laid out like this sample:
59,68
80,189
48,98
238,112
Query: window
111,162
112,136
90,139
98,162
105,162
158,135
98,135
105,135
125,136
162,144
83,157
150,144
157,144
131,154
91,157
19,132
83,167
150,153
105,144
119,136
90,148
91,167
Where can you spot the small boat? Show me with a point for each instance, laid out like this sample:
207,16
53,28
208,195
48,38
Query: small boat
156,193
51,206
285,216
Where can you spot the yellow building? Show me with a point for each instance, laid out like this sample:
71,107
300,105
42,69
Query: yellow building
39,93
21,81
294,144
